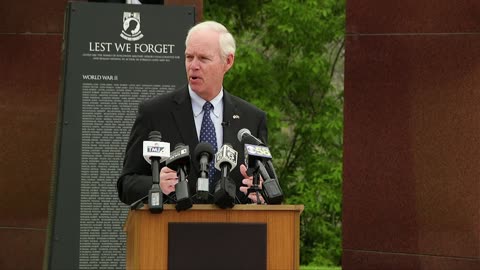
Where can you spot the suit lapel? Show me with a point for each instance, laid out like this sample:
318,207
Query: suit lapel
183,116
231,118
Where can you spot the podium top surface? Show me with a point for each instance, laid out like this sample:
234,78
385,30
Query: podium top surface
211,207
238,207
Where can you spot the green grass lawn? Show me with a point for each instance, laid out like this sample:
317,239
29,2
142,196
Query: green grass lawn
319,268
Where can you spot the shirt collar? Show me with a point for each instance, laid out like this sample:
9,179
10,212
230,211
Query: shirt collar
197,103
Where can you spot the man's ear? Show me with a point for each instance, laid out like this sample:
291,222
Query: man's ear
229,62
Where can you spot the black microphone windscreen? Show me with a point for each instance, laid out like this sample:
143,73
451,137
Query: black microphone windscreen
155,136
241,133
178,145
203,147
245,136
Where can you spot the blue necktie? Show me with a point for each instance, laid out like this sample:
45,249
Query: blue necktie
207,134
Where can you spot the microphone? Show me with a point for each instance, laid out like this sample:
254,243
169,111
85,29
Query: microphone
225,189
204,154
245,136
179,161
254,157
271,187
154,147
272,191
153,150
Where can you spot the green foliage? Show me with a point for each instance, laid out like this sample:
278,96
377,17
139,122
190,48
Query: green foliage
287,52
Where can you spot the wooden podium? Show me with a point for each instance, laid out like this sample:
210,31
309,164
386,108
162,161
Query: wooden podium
147,233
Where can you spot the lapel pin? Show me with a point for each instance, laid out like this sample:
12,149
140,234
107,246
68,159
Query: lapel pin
235,116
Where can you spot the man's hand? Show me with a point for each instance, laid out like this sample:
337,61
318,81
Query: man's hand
168,180
248,181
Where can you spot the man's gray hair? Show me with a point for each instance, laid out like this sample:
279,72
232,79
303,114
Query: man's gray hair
227,42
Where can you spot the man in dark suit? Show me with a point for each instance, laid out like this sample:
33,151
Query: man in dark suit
178,116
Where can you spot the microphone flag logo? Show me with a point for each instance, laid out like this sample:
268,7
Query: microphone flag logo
156,148
231,154
257,151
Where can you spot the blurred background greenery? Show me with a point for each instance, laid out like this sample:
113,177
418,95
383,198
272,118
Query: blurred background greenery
289,62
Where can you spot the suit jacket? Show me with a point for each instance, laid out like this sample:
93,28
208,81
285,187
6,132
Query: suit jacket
172,115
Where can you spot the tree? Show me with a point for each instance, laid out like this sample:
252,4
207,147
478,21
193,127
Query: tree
287,55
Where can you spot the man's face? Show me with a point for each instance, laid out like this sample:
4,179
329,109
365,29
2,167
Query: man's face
204,64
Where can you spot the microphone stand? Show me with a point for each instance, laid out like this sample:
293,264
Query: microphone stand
139,203
202,197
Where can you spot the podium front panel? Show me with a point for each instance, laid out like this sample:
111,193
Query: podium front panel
218,245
